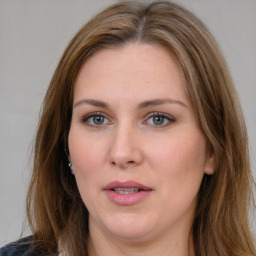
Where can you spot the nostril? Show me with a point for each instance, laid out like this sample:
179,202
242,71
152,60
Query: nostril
126,163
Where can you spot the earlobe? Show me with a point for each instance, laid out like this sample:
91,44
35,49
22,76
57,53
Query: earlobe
69,160
71,168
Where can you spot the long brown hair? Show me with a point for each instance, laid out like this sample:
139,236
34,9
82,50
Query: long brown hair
55,211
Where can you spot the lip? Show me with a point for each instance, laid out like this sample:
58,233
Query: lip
127,199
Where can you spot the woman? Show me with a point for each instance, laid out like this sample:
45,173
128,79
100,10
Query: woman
141,147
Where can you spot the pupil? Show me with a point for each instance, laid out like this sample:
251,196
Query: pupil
158,120
98,119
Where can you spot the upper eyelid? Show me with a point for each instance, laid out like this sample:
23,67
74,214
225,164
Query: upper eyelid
87,116
162,114
97,113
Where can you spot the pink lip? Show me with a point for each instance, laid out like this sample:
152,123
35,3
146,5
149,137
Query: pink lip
126,199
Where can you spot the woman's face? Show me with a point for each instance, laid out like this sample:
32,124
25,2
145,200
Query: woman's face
136,148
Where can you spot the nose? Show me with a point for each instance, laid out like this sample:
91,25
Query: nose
126,150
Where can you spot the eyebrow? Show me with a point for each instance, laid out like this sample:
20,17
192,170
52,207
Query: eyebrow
156,102
96,103
144,104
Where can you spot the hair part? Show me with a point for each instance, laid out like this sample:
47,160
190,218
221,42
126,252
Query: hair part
55,209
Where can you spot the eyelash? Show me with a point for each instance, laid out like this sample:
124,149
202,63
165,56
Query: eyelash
167,117
91,115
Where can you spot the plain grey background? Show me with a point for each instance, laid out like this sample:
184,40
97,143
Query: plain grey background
33,35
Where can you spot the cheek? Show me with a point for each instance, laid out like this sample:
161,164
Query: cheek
179,166
88,157
180,160
87,153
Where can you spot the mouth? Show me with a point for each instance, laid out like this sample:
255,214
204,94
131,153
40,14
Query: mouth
126,193
126,187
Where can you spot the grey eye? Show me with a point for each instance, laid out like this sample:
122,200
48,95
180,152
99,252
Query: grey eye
98,120
158,120
95,119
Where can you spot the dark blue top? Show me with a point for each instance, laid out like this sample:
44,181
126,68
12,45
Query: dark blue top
22,247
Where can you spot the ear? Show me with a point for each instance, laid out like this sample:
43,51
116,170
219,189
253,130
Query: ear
67,153
210,163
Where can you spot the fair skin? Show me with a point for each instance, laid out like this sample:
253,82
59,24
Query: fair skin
132,121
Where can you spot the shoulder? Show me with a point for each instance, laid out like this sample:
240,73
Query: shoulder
22,247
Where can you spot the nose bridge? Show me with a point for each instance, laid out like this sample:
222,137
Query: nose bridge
125,150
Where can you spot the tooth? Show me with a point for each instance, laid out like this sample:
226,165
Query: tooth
126,191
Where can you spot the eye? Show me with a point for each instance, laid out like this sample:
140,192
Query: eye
159,119
95,119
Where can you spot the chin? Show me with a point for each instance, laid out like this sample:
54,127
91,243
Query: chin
129,228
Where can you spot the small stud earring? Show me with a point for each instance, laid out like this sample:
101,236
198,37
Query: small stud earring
70,166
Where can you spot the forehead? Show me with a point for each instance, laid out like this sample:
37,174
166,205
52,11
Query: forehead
133,69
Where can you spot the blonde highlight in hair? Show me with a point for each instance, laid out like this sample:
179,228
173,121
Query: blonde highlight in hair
54,207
